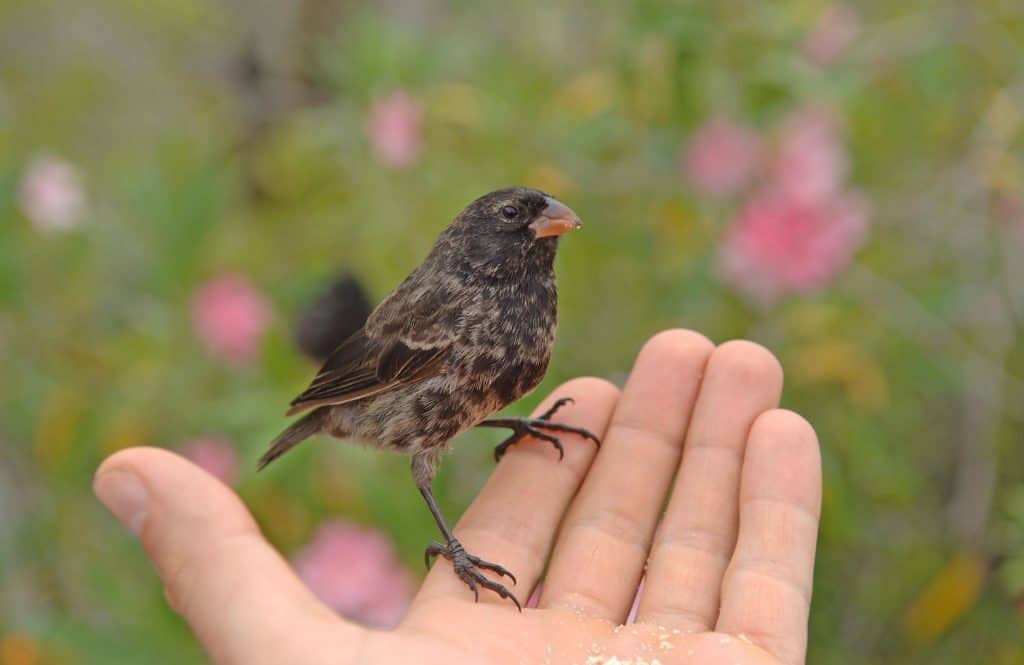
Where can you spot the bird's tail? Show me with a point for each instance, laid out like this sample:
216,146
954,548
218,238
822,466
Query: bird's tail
297,432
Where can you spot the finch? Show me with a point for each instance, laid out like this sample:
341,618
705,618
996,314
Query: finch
338,312
468,332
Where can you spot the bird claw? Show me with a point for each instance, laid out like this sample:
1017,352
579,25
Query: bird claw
559,403
523,427
523,430
466,565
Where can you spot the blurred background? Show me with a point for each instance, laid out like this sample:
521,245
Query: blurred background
180,180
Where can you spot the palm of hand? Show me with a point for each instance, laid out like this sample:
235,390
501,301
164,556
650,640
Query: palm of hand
728,563
459,632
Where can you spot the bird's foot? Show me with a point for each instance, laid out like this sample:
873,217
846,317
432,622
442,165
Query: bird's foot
523,427
466,567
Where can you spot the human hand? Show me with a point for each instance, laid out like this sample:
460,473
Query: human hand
728,563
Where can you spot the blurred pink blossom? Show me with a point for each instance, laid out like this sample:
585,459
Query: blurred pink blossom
51,194
394,129
356,572
215,455
721,157
1007,211
810,161
779,244
230,318
831,35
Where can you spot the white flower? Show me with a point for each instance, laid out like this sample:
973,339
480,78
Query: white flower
51,194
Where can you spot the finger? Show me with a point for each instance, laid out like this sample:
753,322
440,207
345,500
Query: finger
600,553
766,593
514,519
239,596
696,537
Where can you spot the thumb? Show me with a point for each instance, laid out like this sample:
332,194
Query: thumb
237,593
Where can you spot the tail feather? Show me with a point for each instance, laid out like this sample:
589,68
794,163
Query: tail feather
297,432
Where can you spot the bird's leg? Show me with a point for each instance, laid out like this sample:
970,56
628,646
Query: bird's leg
465,564
523,427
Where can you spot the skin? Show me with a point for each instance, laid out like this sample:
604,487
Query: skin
728,564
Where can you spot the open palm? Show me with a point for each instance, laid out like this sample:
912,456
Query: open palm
702,487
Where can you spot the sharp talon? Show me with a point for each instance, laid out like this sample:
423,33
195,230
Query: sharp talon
559,403
487,565
501,570
516,601
467,568
522,427
544,436
559,427
433,549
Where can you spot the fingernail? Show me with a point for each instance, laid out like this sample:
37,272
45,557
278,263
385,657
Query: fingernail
123,494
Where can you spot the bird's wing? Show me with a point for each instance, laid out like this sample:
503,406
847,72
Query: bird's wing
368,363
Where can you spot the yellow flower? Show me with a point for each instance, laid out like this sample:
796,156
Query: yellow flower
124,432
19,650
588,95
57,427
457,103
949,595
550,179
651,87
837,361
1003,118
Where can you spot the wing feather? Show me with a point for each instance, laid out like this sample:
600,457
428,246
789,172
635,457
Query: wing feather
362,367
406,339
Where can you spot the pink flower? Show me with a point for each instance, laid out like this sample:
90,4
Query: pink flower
831,35
1007,210
215,455
721,157
51,195
394,130
779,244
810,163
230,317
356,572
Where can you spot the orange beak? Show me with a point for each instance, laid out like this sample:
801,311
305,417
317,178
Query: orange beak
554,220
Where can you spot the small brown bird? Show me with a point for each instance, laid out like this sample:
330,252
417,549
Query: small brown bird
339,311
468,332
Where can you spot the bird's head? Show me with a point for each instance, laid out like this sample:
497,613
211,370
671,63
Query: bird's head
506,233
519,215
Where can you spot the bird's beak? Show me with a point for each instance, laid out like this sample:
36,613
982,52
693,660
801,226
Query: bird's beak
554,220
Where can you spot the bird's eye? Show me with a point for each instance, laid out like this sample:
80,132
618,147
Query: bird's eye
510,212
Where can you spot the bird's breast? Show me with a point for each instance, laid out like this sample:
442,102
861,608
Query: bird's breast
507,341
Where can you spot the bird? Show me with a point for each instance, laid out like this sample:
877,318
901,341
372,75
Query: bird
339,311
468,332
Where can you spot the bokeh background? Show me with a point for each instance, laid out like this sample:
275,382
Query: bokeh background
180,179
